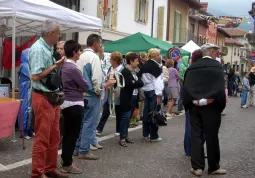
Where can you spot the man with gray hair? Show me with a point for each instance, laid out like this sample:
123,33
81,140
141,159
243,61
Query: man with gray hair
47,115
204,97
60,48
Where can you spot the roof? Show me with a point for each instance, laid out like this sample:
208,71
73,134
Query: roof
232,41
194,4
235,32
221,30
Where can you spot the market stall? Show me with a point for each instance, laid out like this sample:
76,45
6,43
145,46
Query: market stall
140,42
25,17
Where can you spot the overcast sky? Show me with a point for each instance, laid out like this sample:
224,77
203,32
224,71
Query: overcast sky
231,7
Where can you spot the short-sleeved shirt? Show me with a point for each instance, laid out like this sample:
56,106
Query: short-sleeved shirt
40,58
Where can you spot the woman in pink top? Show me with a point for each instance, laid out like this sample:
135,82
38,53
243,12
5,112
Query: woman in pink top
173,91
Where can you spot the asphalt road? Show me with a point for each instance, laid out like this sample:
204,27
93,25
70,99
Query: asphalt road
165,159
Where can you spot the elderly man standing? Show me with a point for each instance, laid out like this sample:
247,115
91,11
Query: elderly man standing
47,115
90,65
204,97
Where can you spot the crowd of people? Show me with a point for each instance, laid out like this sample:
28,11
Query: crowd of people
76,86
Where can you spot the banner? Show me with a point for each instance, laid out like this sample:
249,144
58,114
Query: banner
7,52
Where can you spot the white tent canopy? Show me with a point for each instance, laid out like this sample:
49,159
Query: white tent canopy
30,14
191,46
25,17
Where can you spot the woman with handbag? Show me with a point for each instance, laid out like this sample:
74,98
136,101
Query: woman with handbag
132,83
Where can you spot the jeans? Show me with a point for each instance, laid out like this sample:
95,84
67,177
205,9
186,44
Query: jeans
133,106
150,102
124,124
89,124
47,136
105,116
180,106
72,124
244,97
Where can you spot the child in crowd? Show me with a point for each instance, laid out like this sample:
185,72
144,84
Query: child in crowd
246,88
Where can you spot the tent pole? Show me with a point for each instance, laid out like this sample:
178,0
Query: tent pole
13,65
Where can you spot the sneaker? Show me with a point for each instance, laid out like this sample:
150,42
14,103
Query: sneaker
93,148
219,171
98,146
98,133
146,138
56,174
117,134
71,170
244,106
156,140
197,172
88,156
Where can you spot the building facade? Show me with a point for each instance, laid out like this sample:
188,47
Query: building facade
121,19
236,55
178,21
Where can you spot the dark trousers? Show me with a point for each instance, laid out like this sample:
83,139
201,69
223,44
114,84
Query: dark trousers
230,87
105,116
150,103
72,125
205,120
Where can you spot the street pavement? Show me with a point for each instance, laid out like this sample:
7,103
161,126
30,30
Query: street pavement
165,159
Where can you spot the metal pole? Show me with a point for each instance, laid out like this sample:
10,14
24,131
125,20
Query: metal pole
152,18
13,65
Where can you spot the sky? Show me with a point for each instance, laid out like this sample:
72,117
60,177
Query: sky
230,7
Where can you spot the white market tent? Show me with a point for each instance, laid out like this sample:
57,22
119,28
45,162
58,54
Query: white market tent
191,46
25,17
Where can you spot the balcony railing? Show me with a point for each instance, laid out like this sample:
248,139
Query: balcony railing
183,36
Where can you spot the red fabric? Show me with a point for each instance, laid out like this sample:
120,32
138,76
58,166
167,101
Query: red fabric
7,52
47,136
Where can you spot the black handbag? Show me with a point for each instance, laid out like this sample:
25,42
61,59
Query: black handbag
54,82
157,118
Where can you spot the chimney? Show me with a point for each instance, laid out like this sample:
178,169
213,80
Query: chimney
204,6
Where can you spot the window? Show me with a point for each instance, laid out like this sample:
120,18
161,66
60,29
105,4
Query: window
177,26
237,68
242,67
141,11
107,18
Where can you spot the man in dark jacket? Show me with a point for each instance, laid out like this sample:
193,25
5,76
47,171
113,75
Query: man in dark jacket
204,97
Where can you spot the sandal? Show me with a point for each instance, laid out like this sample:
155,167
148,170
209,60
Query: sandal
123,143
128,140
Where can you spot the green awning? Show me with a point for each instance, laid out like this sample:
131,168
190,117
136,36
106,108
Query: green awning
140,42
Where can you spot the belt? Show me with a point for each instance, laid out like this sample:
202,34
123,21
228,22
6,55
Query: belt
203,102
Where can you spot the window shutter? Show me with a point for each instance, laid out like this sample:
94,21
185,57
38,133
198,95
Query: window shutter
180,30
100,9
137,4
146,12
160,31
114,14
175,25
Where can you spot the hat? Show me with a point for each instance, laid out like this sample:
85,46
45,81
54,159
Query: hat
209,46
